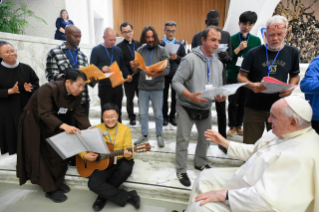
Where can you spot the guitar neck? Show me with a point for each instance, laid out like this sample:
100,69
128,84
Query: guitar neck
114,153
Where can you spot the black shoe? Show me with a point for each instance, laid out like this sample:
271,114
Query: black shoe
56,196
173,121
132,122
201,168
183,179
64,188
134,199
165,122
223,149
99,203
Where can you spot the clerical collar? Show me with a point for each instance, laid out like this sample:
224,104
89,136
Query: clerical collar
296,133
10,66
129,42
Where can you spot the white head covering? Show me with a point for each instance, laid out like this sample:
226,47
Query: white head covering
300,106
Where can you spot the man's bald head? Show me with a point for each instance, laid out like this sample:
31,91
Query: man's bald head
109,37
73,36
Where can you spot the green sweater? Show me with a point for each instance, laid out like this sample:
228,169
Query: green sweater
232,69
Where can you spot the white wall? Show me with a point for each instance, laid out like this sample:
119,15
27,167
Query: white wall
47,10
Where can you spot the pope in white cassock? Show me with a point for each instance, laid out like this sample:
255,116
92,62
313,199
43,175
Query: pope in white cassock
280,173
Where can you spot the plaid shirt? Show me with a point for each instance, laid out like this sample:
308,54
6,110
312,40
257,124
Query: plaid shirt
58,64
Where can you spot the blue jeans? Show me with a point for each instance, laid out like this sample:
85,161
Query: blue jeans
156,97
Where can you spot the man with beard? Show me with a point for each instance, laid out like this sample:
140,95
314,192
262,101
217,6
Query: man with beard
50,111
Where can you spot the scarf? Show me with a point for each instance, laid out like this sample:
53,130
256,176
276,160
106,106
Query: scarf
168,41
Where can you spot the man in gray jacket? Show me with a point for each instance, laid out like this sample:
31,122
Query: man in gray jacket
151,85
197,71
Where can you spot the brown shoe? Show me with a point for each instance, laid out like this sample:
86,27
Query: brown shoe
231,131
239,131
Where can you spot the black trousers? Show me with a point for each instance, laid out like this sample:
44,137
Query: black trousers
315,125
114,95
236,106
168,81
130,90
221,117
105,183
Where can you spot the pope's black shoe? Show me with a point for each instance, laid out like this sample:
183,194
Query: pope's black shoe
64,188
56,196
134,199
99,203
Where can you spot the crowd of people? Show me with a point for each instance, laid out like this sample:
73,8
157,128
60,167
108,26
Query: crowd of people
281,167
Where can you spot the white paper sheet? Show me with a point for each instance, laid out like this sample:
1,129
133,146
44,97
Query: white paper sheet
222,47
171,48
225,90
275,88
94,141
109,74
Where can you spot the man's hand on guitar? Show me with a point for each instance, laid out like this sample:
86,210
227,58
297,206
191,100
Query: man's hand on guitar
127,154
90,156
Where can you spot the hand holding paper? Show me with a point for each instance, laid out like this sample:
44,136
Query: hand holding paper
92,71
213,93
117,77
274,86
171,48
158,67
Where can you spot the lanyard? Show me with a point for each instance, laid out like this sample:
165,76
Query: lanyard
269,68
75,66
112,142
210,63
132,51
149,61
240,42
108,54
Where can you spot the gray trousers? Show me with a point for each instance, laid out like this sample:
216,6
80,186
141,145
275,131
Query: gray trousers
184,128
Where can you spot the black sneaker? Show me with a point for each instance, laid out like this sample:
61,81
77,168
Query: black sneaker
201,168
134,199
183,179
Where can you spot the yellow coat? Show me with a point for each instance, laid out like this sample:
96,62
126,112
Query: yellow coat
123,138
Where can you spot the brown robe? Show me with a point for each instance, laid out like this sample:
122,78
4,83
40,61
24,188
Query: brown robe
36,159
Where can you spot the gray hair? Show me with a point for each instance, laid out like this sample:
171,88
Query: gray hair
289,113
277,19
170,23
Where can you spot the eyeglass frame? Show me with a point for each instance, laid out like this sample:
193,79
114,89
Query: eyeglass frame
128,32
110,118
9,52
170,31
277,26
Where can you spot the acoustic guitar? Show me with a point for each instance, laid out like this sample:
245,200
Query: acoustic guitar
86,168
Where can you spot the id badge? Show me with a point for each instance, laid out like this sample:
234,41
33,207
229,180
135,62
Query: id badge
208,86
239,61
148,78
115,160
63,110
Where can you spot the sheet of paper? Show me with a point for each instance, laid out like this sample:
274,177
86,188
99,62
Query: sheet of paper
140,59
222,47
116,77
171,48
93,71
94,141
108,74
155,67
225,90
66,145
274,86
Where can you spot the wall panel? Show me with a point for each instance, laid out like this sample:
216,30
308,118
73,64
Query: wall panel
189,15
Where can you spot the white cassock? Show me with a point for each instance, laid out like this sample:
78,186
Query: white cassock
278,175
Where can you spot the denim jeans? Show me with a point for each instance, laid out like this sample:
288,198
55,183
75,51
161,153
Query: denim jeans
156,97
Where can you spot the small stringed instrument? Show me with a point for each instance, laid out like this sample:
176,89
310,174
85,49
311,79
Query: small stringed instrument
86,168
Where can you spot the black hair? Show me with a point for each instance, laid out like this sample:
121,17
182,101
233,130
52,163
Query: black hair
125,24
206,31
73,75
143,35
248,16
110,106
2,43
212,14
170,23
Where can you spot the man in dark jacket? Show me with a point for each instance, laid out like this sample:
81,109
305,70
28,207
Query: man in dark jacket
175,59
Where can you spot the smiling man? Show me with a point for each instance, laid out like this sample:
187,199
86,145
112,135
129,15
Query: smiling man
198,70
274,59
280,172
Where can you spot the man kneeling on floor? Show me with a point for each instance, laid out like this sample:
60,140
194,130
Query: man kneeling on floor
280,172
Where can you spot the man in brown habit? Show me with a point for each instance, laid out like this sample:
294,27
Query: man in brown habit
48,113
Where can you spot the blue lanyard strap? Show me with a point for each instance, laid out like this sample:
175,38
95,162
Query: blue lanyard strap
149,61
269,68
108,54
108,134
208,64
132,51
75,66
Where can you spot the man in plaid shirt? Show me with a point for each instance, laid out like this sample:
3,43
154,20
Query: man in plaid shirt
67,57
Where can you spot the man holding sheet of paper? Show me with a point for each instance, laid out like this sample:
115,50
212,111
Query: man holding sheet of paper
274,59
50,111
176,52
103,56
151,83
198,71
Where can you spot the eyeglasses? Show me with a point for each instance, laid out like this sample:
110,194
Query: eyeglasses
128,32
110,117
170,31
9,52
279,26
